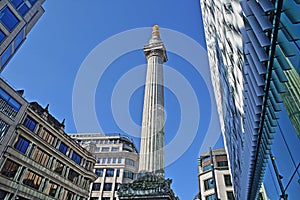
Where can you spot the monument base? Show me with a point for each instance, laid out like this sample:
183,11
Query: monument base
147,187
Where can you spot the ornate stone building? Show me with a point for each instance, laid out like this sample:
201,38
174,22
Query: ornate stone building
38,159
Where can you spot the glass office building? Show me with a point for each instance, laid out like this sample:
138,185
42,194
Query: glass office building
17,17
253,50
272,66
222,24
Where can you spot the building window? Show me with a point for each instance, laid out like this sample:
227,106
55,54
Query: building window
97,149
9,168
2,36
114,160
118,172
67,195
96,186
206,168
208,184
3,194
109,172
3,129
46,136
115,149
23,9
120,160
51,189
32,180
40,157
94,198
29,123
107,187
129,162
230,195
22,144
6,55
105,149
63,148
227,180
205,159
8,105
76,158
103,160
32,2
73,176
210,197
23,5
222,163
8,19
108,160
99,172
58,167
128,174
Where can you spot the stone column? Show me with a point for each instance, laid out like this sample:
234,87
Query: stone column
55,142
152,137
42,185
49,164
30,149
53,164
58,144
18,173
57,194
61,193
45,185
67,172
39,129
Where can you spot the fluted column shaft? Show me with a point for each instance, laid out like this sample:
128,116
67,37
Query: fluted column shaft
152,137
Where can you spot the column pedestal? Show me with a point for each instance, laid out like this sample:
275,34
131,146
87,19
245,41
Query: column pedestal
148,186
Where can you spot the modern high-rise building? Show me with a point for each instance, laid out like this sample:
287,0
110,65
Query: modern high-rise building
38,159
17,18
222,22
117,162
214,176
253,50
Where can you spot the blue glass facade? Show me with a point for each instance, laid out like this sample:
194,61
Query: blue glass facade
271,50
222,25
16,22
269,34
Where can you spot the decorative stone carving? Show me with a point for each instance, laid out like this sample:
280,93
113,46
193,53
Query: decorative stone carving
147,186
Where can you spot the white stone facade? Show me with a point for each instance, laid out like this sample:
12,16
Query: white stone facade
222,176
117,162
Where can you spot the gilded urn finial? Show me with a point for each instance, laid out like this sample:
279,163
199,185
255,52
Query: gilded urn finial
155,30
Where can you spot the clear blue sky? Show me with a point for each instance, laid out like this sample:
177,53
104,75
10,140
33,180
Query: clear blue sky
47,64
